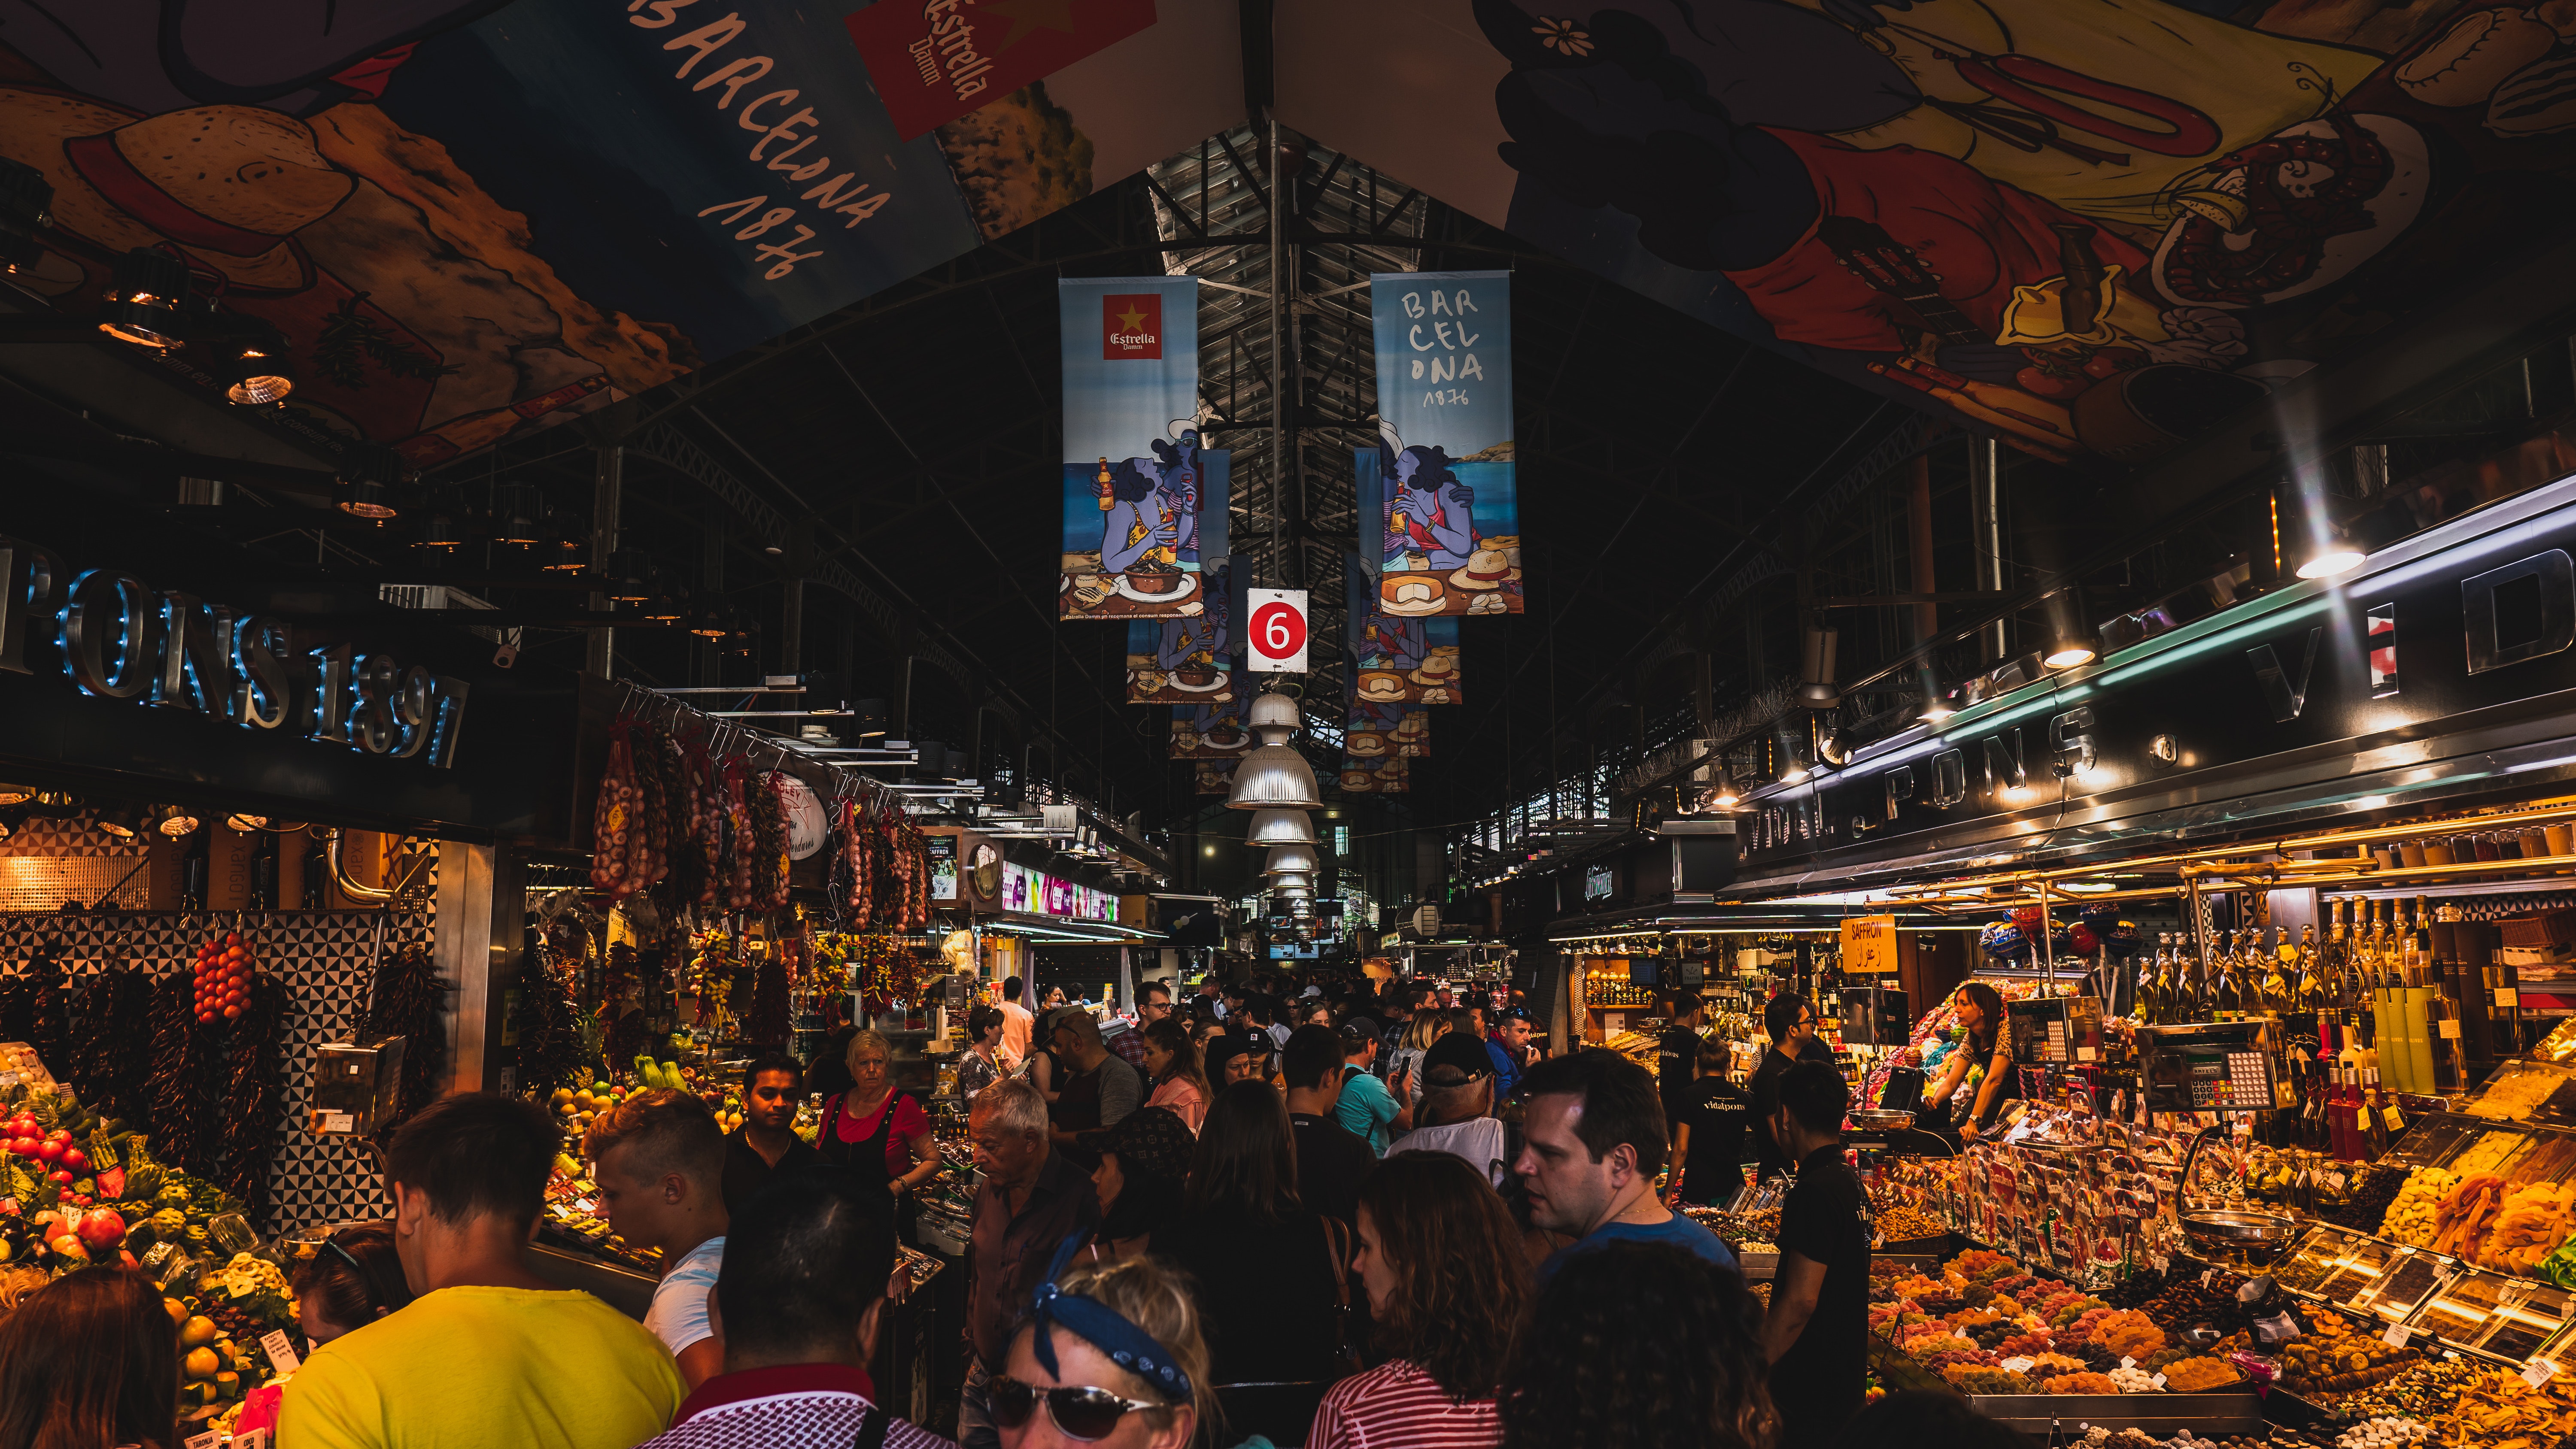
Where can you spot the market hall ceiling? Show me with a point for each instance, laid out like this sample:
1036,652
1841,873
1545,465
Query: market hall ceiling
804,261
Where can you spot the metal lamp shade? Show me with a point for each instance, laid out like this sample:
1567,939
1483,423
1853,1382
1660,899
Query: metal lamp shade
1273,719
1292,857
1274,777
1294,893
1279,879
1280,827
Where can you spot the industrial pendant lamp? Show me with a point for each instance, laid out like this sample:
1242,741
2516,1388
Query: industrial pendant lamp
2334,557
1290,878
1294,893
1275,776
1291,857
519,514
1279,827
144,298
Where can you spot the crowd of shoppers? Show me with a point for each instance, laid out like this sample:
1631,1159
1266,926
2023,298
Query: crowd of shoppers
1284,1246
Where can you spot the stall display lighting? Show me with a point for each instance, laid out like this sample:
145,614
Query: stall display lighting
177,821
2068,652
245,824
258,377
520,512
16,794
144,297
1724,796
366,487
1794,775
566,551
121,821
2334,560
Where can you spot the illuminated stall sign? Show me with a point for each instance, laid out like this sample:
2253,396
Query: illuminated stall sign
2452,659
116,637
1040,894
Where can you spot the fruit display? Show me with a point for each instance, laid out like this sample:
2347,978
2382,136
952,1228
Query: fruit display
2368,1195
2375,1433
2487,1153
1907,1224
2467,1214
2495,1407
2323,1368
2411,1215
2200,1375
2421,1391
2534,1221
222,979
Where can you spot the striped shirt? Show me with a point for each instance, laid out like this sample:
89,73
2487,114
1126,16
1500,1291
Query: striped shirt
1397,1406
795,1406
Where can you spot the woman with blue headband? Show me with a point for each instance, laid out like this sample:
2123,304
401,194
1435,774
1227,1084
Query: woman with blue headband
1110,1354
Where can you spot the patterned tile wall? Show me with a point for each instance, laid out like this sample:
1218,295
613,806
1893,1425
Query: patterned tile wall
327,961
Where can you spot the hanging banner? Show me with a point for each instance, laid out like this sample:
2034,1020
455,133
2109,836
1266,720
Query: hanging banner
1209,732
1375,777
1134,477
1396,660
1440,487
1368,728
1215,777
934,63
1412,737
1188,660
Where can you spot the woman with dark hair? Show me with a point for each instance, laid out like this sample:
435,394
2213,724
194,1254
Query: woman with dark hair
981,1066
89,1362
1440,1258
352,1280
1642,1345
1982,1043
1144,1163
1268,1273
1172,1065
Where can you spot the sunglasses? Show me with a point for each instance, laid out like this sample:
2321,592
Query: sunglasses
1079,1410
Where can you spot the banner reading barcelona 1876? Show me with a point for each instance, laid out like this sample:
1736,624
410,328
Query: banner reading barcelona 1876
1442,495
1134,479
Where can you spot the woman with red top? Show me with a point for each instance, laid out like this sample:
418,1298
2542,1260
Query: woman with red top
1441,1261
878,1132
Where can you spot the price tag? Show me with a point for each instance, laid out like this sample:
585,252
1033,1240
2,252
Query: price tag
207,1440
2158,1380
2451,1029
2085,1054
2335,1180
2206,1274
281,1352
2539,1371
2019,1365
253,1439
2397,1335
339,1122
2507,996
2127,1362
2389,1115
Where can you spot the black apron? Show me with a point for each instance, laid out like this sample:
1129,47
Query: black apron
865,1158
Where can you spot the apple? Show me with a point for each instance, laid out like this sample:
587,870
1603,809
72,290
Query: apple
99,1227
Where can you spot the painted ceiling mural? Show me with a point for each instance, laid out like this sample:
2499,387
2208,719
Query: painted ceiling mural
472,219
2093,226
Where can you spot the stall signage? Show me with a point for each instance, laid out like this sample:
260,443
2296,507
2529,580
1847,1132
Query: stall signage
1040,894
2474,623
116,637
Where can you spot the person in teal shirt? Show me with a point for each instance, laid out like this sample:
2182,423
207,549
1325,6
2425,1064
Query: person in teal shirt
1367,1109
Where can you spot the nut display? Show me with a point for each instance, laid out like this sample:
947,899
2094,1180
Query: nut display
2410,1216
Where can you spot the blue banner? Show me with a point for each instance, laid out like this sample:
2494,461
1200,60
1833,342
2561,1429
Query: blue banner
1135,481
1397,659
1187,660
1439,490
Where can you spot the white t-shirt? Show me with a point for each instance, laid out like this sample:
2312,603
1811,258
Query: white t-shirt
678,1316
1478,1142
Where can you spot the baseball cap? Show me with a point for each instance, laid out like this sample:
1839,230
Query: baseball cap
1359,1030
1223,1049
1456,1051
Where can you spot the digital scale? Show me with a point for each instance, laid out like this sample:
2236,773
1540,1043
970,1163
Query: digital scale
2209,1066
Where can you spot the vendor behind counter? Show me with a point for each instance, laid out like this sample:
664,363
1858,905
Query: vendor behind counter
1790,1019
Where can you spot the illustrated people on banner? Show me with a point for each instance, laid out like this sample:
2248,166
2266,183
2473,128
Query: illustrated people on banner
1398,644
1430,522
1152,523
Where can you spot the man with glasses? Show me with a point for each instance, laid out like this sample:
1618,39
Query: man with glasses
801,1299
1791,1021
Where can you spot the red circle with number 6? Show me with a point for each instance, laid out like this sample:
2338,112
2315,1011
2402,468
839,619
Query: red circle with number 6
1278,630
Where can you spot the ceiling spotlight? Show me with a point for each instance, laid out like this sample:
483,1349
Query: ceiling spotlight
629,577
250,360
438,532
1794,775
367,483
24,195
144,298
566,549
2069,651
1817,691
2335,558
871,718
668,607
1935,709
177,821
1724,796
519,513
120,821
245,824
16,794
709,623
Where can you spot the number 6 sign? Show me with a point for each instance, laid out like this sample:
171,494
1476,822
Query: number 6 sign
1276,629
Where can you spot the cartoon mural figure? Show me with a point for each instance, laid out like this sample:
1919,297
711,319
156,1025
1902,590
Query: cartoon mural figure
1187,658
2089,225
1430,519
1152,523
1209,732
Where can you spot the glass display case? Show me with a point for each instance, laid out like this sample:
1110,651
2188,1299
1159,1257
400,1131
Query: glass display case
2433,1137
2465,1309
2491,1151
2551,1156
2520,1090
2531,1315
2361,1274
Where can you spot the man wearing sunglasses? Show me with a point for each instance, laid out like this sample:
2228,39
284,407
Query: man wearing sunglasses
800,1299
1790,1019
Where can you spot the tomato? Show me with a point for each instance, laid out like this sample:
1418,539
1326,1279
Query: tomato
233,1012
205,1018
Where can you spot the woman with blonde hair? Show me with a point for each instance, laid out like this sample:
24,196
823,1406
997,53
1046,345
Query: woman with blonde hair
1404,1065
879,1133
1111,1354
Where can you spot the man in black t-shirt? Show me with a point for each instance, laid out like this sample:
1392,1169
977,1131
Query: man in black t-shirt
1677,1057
1791,1021
1817,1332
1331,1160
1708,1135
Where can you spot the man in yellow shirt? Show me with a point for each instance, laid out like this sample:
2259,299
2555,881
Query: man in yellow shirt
487,1353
